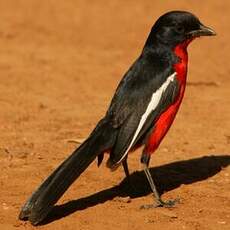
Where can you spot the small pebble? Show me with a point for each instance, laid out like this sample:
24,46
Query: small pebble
4,206
221,222
123,199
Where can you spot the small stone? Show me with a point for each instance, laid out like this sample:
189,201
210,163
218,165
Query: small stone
221,222
39,157
122,199
4,206
165,150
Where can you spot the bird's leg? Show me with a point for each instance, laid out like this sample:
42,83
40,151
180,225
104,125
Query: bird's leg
131,187
126,168
159,201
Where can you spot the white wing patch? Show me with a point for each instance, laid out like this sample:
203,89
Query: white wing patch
155,99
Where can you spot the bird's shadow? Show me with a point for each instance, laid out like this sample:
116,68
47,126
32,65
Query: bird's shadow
167,177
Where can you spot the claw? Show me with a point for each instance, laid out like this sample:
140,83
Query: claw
161,203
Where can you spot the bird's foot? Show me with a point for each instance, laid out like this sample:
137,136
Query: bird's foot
161,203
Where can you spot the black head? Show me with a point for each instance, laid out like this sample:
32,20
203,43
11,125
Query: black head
176,27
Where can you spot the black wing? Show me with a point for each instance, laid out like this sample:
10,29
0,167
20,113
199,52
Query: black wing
132,97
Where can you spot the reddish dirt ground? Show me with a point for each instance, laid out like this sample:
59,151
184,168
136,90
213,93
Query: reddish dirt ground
60,63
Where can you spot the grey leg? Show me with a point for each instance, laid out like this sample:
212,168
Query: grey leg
159,202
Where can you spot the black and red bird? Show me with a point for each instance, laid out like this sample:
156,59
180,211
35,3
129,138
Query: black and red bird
141,112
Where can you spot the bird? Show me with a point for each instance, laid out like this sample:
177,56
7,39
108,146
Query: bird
141,112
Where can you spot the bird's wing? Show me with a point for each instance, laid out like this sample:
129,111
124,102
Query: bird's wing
145,92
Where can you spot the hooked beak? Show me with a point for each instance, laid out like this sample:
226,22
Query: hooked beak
202,31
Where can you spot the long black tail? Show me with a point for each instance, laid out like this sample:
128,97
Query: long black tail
47,194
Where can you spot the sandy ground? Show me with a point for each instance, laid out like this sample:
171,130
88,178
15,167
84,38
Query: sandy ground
60,62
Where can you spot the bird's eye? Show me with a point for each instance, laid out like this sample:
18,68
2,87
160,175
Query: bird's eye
180,29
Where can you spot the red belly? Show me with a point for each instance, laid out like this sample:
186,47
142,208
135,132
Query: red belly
162,126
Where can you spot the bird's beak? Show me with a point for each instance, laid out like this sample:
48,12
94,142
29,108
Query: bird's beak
202,31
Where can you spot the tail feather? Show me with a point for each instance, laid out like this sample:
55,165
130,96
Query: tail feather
48,193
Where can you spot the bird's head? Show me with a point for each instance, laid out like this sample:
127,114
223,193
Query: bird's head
177,27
